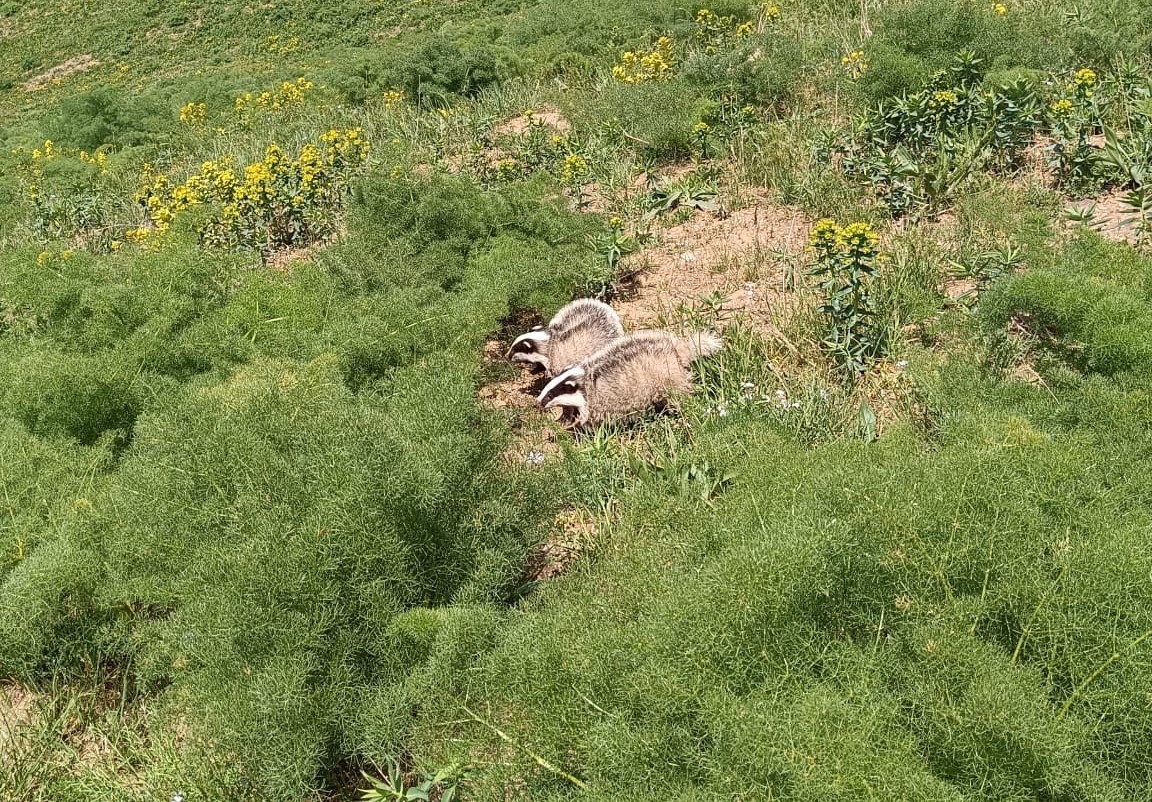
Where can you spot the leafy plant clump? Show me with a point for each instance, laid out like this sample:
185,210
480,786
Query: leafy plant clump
845,266
274,203
915,151
67,190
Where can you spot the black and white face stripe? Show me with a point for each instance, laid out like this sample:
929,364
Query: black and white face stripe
563,383
527,345
529,340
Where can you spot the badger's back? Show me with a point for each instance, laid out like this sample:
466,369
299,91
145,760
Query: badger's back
580,310
633,374
582,335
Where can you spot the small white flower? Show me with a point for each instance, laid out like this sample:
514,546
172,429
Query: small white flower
823,395
722,410
781,394
178,797
535,457
903,363
688,256
747,386
795,405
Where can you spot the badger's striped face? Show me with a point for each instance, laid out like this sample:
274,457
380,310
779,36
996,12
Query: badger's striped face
566,390
529,348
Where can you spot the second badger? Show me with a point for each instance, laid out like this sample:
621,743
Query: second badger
577,331
628,376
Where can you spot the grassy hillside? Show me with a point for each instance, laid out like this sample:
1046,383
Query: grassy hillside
267,535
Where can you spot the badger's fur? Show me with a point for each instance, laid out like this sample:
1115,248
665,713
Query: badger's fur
578,330
628,376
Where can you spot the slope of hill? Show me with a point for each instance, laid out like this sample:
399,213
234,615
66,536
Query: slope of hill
279,523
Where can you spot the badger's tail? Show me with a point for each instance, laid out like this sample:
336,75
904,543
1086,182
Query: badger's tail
698,344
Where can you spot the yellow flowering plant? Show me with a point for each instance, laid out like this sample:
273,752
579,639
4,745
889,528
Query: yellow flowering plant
845,266
268,204
856,63
278,45
63,188
713,29
193,114
917,150
1075,118
638,66
289,96
574,170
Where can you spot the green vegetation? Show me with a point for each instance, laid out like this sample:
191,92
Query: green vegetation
261,539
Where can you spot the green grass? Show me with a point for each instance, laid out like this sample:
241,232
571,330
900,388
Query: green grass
257,534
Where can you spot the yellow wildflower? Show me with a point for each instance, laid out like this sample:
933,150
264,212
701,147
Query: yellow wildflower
858,238
646,65
999,9
193,113
575,168
856,63
1083,84
823,235
943,99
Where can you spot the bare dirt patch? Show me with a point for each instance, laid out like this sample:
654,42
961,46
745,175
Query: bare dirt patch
535,431
959,287
572,533
548,116
743,258
517,392
18,707
1110,216
283,259
61,71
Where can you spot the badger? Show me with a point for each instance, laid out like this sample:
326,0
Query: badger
577,331
628,376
